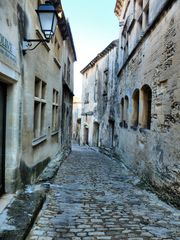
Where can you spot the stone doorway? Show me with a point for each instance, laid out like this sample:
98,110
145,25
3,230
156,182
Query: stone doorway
2,135
111,133
86,135
96,134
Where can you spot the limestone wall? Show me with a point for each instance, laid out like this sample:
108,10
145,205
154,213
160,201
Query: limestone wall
88,105
11,77
153,150
107,118
35,92
98,85
42,81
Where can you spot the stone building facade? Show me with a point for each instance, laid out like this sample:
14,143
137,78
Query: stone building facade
68,59
147,104
97,97
139,121
31,92
77,105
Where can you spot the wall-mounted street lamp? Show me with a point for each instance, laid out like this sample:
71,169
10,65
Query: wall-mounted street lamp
47,16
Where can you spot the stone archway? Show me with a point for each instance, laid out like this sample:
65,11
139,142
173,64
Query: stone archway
96,134
86,134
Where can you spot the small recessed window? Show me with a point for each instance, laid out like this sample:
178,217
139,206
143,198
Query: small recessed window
39,108
146,98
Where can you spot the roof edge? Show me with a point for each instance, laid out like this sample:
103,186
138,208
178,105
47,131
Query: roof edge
64,26
100,55
118,7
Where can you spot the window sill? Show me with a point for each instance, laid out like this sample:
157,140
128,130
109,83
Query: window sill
55,132
39,140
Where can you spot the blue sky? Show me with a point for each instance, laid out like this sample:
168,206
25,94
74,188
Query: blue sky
93,26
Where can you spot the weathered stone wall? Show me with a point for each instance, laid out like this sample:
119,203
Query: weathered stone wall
11,77
27,153
108,117
153,153
88,106
67,63
38,149
98,87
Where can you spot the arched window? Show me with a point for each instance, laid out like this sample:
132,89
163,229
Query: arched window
135,113
146,100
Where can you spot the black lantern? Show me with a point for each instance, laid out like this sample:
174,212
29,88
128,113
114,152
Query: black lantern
47,18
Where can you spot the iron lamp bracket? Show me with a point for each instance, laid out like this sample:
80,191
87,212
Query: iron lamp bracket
27,44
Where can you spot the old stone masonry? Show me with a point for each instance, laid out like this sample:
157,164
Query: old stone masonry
95,197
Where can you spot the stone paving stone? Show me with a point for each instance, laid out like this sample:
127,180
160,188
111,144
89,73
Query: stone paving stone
95,198
104,238
87,238
81,234
96,234
45,238
34,238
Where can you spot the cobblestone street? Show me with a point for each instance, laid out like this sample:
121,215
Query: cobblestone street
95,197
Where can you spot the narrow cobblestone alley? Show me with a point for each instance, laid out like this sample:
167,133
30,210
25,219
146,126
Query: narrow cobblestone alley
95,197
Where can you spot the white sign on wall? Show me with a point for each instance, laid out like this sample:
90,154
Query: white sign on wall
7,49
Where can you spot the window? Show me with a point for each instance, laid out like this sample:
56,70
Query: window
57,49
135,113
126,106
125,43
95,90
139,17
146,17
39,108
96,84
122,113
140,23
68,70
86,100
138,8
55,107
146,99
105,85
126,47
64,72
111,133
140,5
105,90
